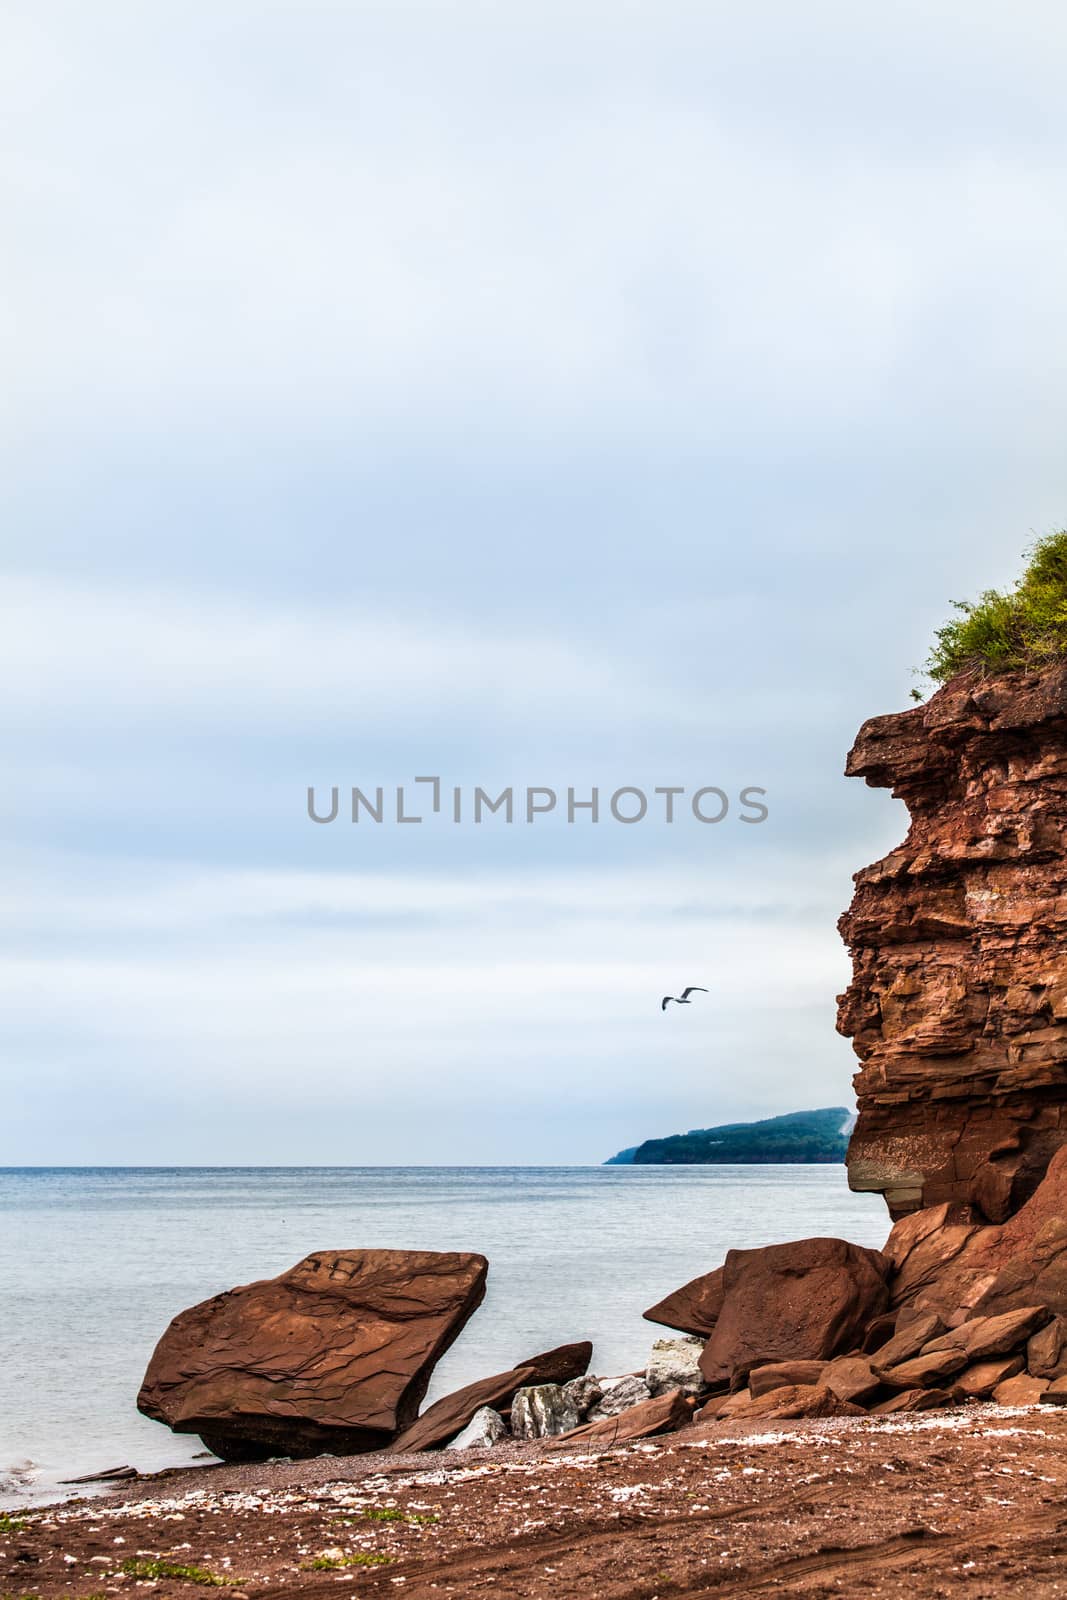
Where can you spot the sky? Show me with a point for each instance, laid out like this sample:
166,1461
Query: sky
559,395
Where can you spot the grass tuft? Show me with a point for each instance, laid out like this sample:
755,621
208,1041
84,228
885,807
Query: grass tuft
390,1514
359,1558
1026,627
152,1567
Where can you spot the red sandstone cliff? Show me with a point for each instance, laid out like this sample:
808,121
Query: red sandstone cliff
958,1002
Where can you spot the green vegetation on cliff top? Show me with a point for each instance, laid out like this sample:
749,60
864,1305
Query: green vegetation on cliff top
800,1136
1026,627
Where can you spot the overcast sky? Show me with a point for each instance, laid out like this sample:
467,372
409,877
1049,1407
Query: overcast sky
533,394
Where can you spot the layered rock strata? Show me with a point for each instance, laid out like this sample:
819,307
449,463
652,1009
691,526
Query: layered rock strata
957,1007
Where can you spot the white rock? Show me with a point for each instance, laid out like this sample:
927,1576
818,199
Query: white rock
541,1411
486,1428
675,1364
620,1395
583,1393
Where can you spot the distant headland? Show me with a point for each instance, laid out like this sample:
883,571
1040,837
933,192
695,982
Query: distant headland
799,1136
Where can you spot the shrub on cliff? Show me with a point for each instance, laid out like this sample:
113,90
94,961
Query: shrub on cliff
1025,627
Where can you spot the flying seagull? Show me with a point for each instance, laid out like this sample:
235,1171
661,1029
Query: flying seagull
682,999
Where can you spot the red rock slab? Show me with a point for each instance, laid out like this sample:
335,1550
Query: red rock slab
807,1300
927,1227
1046,1351
1020,1391
722,1406
334,1354
983,1337
912,1400
923,1371
694,1308
1008,1267
851,1378
909,1340
664,1414
979,1381
920,1249
814,1400
451,1414
789,1400
777,1374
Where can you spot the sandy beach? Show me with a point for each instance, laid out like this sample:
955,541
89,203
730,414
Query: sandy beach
968,1502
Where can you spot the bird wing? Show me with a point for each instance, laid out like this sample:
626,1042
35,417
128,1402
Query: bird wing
665,1002
694,988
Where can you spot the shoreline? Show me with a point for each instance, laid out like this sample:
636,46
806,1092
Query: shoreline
76,1359
878,1506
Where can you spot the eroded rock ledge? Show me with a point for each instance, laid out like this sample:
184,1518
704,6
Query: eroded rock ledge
957,1007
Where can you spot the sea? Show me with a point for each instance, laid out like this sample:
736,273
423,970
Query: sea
94,1263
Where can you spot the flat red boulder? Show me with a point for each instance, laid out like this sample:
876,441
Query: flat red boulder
334,1355
804,1301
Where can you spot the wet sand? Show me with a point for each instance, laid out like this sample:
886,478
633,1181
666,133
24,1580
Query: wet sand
963,1503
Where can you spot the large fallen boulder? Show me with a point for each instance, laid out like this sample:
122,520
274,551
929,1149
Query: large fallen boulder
333,1355
807,1300
694,1308
447,1416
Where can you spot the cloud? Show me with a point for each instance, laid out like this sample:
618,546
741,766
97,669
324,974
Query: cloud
445,228
70,897
571,393
364,994
109,656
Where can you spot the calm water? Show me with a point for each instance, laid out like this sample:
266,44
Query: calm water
94,1264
